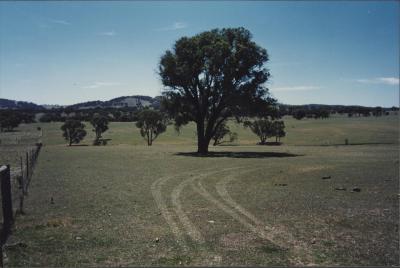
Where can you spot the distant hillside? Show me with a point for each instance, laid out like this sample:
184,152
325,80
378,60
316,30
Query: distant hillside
311,107
332,108
120,102
137,101
12,104
320,106
52,106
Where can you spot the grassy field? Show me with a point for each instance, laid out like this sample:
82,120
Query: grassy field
129,204
15,144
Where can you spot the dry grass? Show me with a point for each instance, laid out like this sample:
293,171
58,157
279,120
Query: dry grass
135,205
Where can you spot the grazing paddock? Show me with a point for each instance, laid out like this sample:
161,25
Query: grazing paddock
15,144
295,204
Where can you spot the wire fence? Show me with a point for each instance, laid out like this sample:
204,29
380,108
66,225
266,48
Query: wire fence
20,137
14,188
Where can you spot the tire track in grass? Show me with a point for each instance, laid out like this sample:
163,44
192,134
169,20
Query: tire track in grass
191,230
230,211
230,207
223,193
256,226
156,190
165,212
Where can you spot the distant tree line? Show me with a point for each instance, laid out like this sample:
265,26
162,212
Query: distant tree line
10,119
317,111
112,114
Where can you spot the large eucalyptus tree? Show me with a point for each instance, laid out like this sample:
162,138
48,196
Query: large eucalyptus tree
212,76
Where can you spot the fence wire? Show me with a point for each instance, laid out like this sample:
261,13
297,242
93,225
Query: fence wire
14,187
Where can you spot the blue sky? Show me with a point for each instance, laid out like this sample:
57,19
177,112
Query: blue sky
320,52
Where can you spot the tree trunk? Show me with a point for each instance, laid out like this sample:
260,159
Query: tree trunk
202,147
202,143
151,137
262,139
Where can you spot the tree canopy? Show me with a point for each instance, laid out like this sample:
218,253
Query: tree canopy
279,130
73,131
100,125
221,132
151,123
9,121
299,114
263,128
212,76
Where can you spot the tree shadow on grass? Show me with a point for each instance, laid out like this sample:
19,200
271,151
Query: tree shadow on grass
350,144
270,143
239,154
77,145
11,131
363,143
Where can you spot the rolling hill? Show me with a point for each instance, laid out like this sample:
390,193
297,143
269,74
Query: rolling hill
120,102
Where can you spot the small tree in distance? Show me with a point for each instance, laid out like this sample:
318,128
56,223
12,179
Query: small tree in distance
221,132
263,128
321,114
299,114
73,131
151,123
100,125
279,130
9,121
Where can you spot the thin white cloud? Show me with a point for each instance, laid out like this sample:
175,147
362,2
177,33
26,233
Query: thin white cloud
62,22
391,81
108,33
295,88
46,23
175,26
101,84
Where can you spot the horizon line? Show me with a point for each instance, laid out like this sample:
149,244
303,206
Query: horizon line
279,103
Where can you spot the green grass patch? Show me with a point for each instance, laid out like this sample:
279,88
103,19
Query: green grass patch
129,204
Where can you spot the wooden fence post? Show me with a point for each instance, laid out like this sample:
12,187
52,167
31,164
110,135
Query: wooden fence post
21,187
21,194
6,199
30,160
6,195
22,175
8,218
27,166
